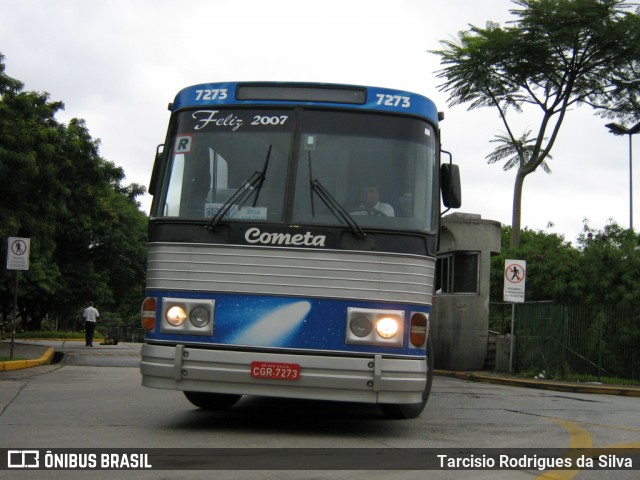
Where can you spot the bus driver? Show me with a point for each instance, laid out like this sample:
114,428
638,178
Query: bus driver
371,205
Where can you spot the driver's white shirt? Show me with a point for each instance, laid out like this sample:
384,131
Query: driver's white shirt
382,207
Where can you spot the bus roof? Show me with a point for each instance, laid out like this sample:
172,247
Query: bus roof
320,94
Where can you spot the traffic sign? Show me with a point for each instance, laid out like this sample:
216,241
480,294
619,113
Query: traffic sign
515,276
18,253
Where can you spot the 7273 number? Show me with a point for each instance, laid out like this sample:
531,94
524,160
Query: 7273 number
393,100
211,94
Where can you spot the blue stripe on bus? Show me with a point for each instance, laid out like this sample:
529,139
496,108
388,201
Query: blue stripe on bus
286,322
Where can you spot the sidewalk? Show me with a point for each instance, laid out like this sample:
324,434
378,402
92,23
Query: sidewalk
25,354
33,353
554,385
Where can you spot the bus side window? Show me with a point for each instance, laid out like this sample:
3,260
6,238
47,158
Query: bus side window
174,191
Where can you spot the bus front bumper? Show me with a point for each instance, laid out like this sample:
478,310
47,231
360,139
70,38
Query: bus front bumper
373,379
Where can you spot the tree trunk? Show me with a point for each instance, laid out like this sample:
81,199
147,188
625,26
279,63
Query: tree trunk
517,209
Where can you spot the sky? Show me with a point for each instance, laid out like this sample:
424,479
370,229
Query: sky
118,63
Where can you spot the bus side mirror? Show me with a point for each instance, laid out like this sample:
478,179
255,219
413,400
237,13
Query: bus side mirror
450,185
153,183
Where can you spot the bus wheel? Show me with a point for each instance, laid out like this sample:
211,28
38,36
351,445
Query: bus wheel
212,401
412,410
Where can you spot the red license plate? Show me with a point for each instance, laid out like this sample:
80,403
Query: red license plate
275,370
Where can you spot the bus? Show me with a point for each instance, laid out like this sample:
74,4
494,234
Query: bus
292,245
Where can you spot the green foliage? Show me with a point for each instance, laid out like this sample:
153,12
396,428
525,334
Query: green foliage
88,235
555,55
610,266
517,152
604,267
552,264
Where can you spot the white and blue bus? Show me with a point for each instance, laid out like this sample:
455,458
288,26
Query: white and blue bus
292,245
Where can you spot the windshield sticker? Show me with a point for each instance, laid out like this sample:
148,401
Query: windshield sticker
269,119
183,144
233,121
209,117
242,213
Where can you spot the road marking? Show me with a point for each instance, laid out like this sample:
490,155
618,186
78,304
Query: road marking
613,427
581,438
578,438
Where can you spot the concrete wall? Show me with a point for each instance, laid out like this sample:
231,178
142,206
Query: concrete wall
460,322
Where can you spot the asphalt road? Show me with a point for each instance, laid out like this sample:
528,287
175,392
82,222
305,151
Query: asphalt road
121,355
93,399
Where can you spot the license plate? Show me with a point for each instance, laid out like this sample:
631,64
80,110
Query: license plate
275,370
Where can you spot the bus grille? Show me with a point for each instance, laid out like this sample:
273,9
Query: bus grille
382,277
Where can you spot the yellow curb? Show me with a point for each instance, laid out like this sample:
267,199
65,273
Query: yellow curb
45,359
35,340
545,385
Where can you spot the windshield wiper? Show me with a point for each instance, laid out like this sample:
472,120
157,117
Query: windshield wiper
334,206
250,186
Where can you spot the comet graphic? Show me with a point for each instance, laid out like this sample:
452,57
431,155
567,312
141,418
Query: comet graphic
275,327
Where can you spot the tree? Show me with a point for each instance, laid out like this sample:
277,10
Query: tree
88,235
553,267
517,152
556,55
601,269
610,263
101,237
29,189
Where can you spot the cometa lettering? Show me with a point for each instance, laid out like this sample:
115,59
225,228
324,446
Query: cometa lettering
254,235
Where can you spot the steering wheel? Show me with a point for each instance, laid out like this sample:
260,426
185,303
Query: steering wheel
369,211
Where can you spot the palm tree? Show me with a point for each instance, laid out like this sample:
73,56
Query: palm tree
517,152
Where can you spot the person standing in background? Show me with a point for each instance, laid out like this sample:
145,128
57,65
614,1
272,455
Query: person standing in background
90,316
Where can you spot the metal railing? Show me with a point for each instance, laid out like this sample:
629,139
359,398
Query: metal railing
580,343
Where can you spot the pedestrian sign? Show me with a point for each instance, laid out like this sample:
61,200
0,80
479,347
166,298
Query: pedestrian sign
18,253
515,275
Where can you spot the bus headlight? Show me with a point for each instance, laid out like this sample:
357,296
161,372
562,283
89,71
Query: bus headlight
387,327
360,326
176,311
199,316
366,326
176,316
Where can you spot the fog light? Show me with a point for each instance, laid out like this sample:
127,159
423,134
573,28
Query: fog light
176,315
199,317
360,326
387,327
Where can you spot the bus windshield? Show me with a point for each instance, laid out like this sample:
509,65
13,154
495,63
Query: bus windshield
378,169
